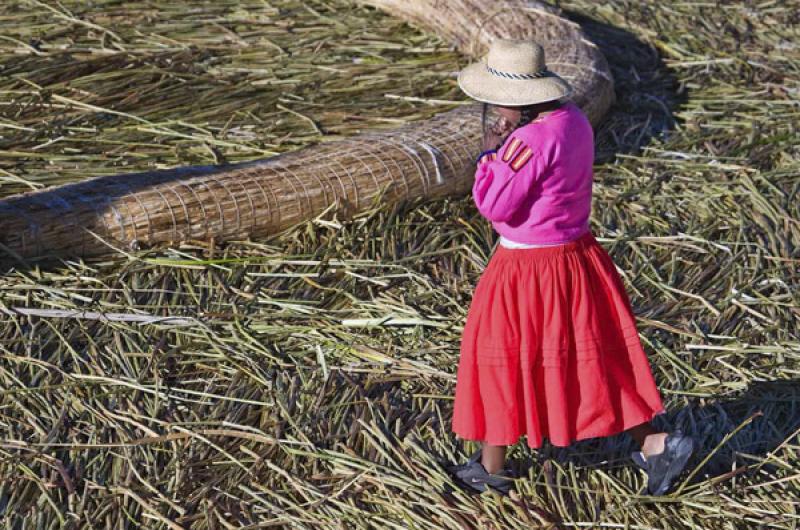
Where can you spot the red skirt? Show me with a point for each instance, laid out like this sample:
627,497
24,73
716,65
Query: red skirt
550,350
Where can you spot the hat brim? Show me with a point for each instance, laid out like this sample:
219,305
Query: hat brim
478,83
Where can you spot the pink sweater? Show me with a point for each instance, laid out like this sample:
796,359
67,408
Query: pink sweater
537,188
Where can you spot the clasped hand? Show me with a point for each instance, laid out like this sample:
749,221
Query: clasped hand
495,135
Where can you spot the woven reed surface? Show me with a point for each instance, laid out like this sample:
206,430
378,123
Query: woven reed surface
430,158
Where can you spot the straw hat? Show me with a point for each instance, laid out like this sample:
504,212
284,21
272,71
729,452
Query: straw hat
513,73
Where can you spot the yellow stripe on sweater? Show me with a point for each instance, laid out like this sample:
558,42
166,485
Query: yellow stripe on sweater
521,159
512,146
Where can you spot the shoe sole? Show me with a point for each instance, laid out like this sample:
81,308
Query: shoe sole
685,450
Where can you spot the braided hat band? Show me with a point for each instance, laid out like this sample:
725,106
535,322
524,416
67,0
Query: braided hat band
535,75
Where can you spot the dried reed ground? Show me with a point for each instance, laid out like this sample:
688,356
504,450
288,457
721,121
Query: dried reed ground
273,403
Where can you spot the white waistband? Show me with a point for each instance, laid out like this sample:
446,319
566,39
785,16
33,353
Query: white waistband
513,244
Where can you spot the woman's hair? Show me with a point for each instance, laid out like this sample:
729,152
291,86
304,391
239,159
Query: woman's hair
526,115
529,112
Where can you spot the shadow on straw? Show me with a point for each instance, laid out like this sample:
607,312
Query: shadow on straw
646,91
766,415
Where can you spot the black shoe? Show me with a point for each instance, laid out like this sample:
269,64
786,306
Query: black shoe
474,475
665,466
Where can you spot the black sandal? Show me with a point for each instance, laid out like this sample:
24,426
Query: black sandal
473,475
662,468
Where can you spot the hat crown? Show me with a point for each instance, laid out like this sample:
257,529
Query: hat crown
516,56
513,73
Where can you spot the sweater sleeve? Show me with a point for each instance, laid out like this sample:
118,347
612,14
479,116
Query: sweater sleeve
503,183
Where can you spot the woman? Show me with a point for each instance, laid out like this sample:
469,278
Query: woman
550,347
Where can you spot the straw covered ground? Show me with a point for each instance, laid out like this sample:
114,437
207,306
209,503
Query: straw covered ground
306,381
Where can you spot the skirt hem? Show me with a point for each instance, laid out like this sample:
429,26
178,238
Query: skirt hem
580,437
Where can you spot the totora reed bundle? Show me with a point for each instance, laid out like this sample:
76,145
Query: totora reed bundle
429,158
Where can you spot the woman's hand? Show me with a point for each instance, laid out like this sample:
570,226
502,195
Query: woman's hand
495,135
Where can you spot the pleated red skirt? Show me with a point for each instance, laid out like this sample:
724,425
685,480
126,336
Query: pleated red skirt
550,350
